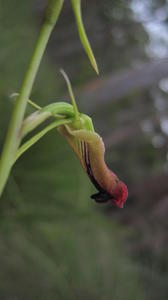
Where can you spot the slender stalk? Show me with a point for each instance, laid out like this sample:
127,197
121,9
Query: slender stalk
13,136
70,93
33,104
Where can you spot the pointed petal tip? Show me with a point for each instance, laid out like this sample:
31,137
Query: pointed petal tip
94,64
76,5
96,70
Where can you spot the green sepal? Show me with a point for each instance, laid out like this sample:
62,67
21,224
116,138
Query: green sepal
76,5
57,110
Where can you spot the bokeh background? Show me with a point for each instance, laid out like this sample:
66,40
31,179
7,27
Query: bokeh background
55,242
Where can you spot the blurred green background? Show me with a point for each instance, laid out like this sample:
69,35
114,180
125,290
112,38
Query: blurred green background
55,243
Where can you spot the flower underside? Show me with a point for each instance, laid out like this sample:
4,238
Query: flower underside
89,148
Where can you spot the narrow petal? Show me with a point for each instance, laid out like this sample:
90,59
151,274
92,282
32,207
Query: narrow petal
76,5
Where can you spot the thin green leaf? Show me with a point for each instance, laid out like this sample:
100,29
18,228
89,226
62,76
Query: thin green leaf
76,5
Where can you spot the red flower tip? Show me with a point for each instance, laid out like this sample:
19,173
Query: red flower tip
120,194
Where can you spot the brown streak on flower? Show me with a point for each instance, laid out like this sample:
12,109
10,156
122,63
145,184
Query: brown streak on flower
89,148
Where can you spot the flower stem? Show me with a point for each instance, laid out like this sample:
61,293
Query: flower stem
13,137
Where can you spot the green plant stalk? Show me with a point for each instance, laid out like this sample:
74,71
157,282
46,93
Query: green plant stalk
13,135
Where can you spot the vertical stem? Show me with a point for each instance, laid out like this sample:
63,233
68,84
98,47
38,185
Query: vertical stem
13,137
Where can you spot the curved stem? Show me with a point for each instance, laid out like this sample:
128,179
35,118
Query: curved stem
13,136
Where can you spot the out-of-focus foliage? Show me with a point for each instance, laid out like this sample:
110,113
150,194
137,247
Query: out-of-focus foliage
55,243
73,257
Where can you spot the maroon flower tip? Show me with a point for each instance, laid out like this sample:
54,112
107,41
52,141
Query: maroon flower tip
120,194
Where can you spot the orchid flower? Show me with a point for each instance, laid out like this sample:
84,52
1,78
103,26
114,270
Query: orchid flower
89,148
78,130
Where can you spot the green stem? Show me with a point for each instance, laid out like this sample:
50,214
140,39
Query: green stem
13,136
